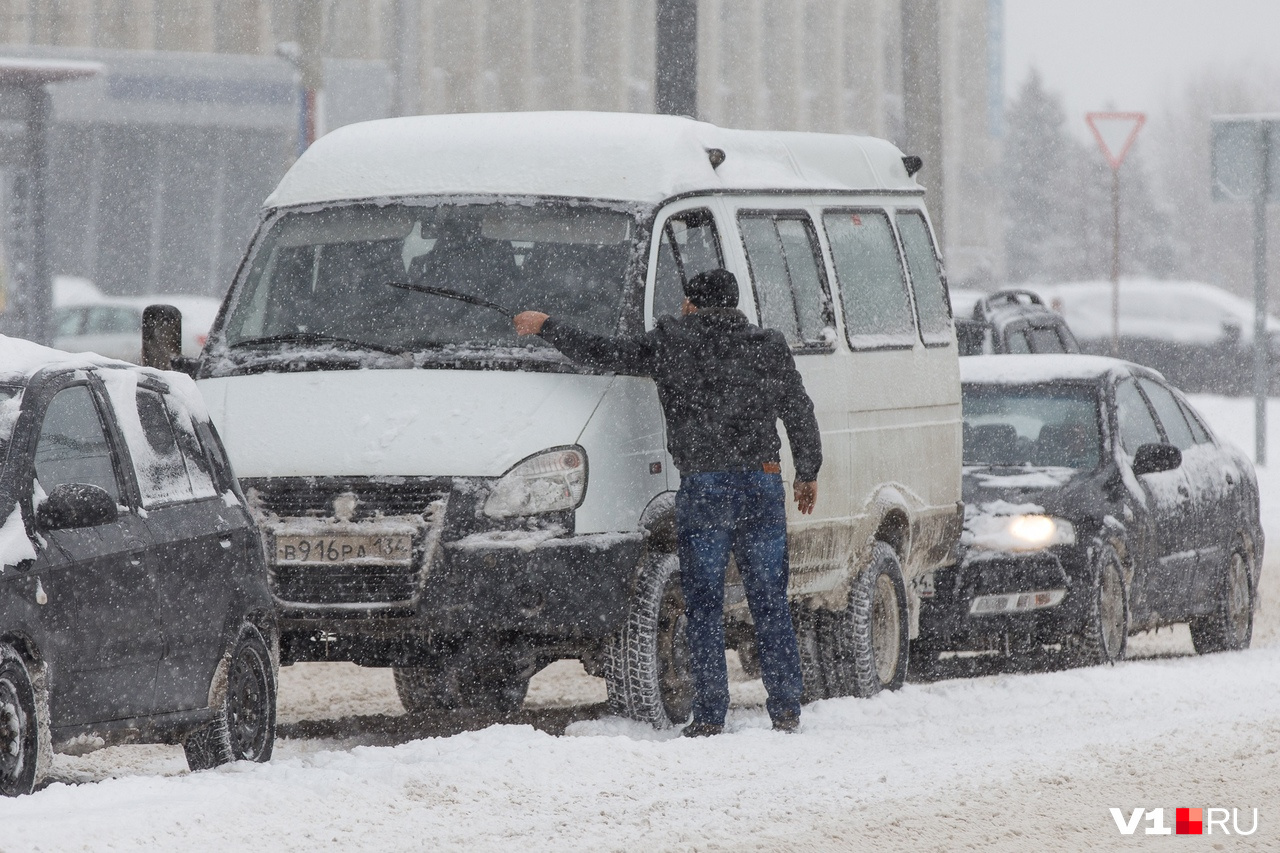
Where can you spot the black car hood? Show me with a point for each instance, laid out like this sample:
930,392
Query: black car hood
1075,495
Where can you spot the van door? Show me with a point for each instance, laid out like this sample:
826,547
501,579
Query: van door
792,295
688,243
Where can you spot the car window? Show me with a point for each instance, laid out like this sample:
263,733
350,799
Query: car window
689,245
873,286
1170,414
926,276
790,292
1042,425
1137,426
1016,341
1045,339
1198,432
67,322
199,469
148,433
73,446
112,320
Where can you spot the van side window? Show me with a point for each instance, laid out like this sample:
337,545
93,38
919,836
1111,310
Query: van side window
926,277
873,287
689,245
790,292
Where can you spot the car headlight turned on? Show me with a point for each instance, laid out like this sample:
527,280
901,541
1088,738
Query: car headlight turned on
1018,533
546,482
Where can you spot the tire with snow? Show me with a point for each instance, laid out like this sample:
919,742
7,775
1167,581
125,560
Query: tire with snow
646,663
1230,627
25,746
244,728
810,631
1105,633
866,647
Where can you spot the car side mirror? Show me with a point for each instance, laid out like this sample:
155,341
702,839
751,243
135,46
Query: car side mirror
1154,458
161,336
76,505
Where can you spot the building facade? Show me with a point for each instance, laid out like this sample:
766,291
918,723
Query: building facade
160,165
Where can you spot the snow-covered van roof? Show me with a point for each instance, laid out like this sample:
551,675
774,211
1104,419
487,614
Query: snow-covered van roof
1040,369
615,156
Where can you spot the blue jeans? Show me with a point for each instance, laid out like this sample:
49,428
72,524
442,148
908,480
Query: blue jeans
742,512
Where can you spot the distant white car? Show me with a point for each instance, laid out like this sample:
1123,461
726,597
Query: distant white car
112,326
1198,335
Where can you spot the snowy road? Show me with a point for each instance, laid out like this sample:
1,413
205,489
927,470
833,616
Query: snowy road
1004,762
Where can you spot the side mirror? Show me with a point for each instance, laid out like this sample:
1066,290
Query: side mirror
76,505
161,336
1154,458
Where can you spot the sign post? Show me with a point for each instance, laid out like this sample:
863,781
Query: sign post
1115,133
1246,167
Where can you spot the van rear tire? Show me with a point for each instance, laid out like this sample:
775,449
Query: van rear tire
646,663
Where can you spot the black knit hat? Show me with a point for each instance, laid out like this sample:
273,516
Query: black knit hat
713,289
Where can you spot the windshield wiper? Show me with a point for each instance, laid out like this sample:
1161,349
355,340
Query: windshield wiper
314,338
453,294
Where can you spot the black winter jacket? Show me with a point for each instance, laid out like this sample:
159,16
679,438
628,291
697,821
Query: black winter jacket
723,383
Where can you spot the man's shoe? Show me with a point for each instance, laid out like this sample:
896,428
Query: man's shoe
702,730
786,723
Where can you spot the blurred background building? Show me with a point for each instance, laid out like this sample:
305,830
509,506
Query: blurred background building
158,165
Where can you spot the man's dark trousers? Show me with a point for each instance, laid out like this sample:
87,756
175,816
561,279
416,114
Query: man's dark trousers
743,512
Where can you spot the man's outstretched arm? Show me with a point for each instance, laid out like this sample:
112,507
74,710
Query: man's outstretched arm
624,355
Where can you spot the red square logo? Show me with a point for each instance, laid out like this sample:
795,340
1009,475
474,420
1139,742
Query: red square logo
1189,821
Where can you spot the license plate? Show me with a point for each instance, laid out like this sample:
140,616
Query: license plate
380,550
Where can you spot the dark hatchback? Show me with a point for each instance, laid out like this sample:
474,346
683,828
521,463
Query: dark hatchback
1097,503
1013,321
133,597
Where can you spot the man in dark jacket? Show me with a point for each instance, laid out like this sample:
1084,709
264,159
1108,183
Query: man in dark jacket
723,384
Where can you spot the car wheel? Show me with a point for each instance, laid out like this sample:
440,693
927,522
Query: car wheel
24,737
871,635
1105,632
647,667
244,728
1230,628
811,633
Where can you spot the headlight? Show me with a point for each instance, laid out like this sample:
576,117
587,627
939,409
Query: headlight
1030,532
551,480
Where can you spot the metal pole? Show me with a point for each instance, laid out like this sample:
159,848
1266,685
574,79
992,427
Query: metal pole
39,303
1260,377
1115,263
676,58
922,112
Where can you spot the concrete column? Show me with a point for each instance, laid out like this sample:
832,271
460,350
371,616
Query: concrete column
676,57
922,98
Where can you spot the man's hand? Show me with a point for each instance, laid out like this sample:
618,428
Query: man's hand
529,322
806,495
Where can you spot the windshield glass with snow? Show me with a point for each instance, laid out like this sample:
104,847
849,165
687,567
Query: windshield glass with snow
398,278
1037,425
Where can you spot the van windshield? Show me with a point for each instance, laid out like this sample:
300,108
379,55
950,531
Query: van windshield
400,278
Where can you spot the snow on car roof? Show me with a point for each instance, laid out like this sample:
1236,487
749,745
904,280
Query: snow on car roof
21,359
615,156
1039,369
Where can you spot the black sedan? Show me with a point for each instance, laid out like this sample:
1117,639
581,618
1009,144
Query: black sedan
1097,503
133,596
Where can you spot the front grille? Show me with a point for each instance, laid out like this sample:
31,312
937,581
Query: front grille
337,585
313,497
305,506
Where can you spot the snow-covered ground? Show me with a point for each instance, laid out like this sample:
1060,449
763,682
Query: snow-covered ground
999,762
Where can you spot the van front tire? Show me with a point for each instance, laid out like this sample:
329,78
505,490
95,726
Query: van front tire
25,746
646,662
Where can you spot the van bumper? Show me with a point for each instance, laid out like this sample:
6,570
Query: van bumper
564,593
